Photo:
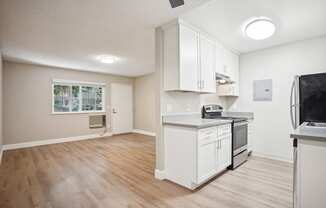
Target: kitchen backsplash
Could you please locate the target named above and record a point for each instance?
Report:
(189, 102)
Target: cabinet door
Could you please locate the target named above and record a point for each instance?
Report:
(226, 60)
(310, 182)
(224, 152)
(230, 65)
(234, 71)
(207, 65)
(219, 60)
(206, 161)
(188, 56)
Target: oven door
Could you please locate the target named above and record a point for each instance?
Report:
(240, 137)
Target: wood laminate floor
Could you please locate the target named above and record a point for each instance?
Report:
(119, 172)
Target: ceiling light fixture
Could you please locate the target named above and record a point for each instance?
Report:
(107, 59)
(259, 28)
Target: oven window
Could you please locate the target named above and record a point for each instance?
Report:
(240, 136)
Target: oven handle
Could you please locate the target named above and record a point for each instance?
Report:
(241, 123)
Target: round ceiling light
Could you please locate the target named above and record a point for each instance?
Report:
(107, 59)
(259, 28)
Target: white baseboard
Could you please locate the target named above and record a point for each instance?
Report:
(148, 133)
(273, 157)
(53, 141)
(159, 174)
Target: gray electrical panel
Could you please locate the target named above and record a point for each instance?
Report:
(263, 90)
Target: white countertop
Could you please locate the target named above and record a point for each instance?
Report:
(309, 133)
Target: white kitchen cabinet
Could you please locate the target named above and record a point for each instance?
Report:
(310, 171)
(219, 54)
(207, 153)
(194, 156)
(188, 59)
(206, 160)
(207, 64)
(188, 53)
(227, 63)
(224, 152)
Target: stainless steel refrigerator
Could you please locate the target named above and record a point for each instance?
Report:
(308, 99)
(307, 104)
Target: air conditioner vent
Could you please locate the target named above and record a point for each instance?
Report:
(97, 121)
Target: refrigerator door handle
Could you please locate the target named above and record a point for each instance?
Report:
(292, 105)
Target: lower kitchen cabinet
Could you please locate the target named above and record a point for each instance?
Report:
(310, 171)
(224, 152)
(193, 156)
(206, 161)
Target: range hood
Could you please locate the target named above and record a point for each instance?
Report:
(223, 79)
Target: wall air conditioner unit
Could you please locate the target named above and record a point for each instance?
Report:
(97, 121)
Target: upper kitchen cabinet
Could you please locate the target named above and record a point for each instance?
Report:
(207, 64)
(227, 62)
(188, 59)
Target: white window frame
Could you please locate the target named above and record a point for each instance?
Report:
(71, 83)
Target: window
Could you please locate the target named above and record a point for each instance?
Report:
(74, 97)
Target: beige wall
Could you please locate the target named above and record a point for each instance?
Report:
(27, 103)
(1, 116)
(144, 103)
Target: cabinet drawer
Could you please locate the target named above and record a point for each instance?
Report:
(212, 131)
(225, 129)
(206, 140)
(207, 135)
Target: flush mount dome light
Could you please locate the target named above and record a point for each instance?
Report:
(259, 28)
(107, 59)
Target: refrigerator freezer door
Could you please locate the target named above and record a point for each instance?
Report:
(313, 98)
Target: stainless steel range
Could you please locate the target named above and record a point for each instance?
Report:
(239, 133)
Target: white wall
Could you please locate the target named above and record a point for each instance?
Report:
(272, 119)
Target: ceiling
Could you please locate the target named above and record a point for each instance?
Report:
(295, 20)
(71, 33)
